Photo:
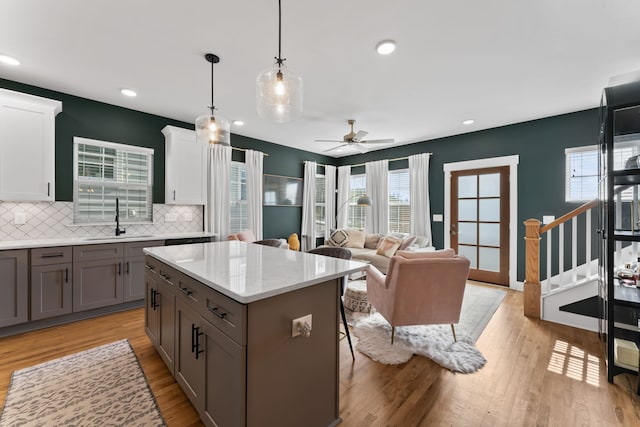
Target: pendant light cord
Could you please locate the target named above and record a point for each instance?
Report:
(212, 105)
(279, 59)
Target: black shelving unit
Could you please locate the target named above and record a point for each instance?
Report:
(619, 221)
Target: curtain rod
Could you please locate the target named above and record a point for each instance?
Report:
(247, 149)
(363, 164)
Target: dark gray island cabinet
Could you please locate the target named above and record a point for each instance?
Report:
(222, 317)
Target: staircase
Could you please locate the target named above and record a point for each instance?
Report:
(570, 296)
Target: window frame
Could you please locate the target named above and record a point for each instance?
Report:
(320, 206)
(241, 222)
(356, 215)
(404, 186)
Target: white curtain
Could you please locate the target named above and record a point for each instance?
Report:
(308, 240)
(329, 200)
(420, 211)
(218, 180)
(344, 174)
(253, 160)
(377, 216)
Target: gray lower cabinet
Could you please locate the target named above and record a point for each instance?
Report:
(14, 287)
(189, 363)
(134, 268)
(160, 316)
(51, 282)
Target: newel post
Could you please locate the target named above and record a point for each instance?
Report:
(531, 302)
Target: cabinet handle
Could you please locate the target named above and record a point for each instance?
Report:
(127, 267)
(195, 340)
(56, 255)
(48, 189)
(66, 275)
(185, 291)
(119, 269)
(148, 267)
(154, 299)
(215, 311)
(174, 195)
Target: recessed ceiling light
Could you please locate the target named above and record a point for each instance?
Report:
(468, 122)
(238, 122)
(386, 47)
(9, 60)
(128, 92)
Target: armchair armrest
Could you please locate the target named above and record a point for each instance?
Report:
(374, 274)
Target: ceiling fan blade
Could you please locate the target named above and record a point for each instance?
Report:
(327, 140)
(379, 141)
(338, 148)
(359, 148)
(358, 136)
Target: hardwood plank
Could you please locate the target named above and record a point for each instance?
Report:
(538, 373)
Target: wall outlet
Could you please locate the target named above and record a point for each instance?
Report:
(437, 217)
(188, 217)
(19, 218)
(297, 323)
(170, 217)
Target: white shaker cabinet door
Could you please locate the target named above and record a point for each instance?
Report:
(185, 167)
(27, 147)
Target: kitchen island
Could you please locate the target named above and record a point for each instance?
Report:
(250, 332)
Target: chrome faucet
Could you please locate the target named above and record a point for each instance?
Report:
(118, 230)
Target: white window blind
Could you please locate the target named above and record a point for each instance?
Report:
(399, 201)
(104, 171)
(238, 198)
(581, 183)
(320, 206)
(357, 188)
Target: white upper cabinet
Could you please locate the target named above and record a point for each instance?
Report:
(27, 146)
(185, 167)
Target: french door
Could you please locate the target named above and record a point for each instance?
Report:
(480, 221)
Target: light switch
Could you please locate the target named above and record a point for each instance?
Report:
(170, 217)
(437, 217)
(19, 218)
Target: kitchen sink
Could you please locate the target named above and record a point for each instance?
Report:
(133, 236)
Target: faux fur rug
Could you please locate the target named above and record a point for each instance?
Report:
(433, 341)
(103, 386)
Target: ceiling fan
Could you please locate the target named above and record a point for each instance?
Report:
(355, 140)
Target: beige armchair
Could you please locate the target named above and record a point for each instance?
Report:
(419, 288)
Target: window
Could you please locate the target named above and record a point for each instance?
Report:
(320, 206)
(238, 198)
(357, 188)
(399, 201)
(104, 172)
(581, 170)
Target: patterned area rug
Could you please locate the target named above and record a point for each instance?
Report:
(103, 386)
(432, 341)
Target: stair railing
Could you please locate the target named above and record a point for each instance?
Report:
(533, 231)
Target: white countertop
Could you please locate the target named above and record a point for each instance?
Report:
(73, 241)
(248, 272)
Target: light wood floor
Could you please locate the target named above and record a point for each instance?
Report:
(538, 373)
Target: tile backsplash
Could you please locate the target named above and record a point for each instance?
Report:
(49, 220)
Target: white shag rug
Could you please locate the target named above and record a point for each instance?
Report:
(432, 341)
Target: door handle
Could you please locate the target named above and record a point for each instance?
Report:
(66, 275)
(452, 232)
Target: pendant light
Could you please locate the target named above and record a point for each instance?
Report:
(278, 90)
(209, 128)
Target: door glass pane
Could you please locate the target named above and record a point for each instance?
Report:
(490, 234)
(490, 210)
(467, 210)
(469, 252)
(467, 186)
(467, 233)
(489, 259)
(490, 185)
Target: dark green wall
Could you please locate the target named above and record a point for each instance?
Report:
(96, 120)
(540, 145)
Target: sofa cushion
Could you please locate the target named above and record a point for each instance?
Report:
(422, 242)
(338, 237)
(407, 242)
(371, 241)
(388, 246)
(356, 238)
(246, 236)
(380, 262)
(442, 253)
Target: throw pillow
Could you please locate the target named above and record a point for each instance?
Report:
(356, 238)
(406, 242)
(422, 242)
(388, 246)
(371, 241)
(246, 236)
(339, 238)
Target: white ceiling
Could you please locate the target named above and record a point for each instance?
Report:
(494, 61)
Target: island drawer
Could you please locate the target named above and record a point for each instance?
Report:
(48, 256)
(226, 314)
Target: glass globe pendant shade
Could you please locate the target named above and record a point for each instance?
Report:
(279, 94)
(213, 129)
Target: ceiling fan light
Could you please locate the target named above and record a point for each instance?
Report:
(279, 95)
